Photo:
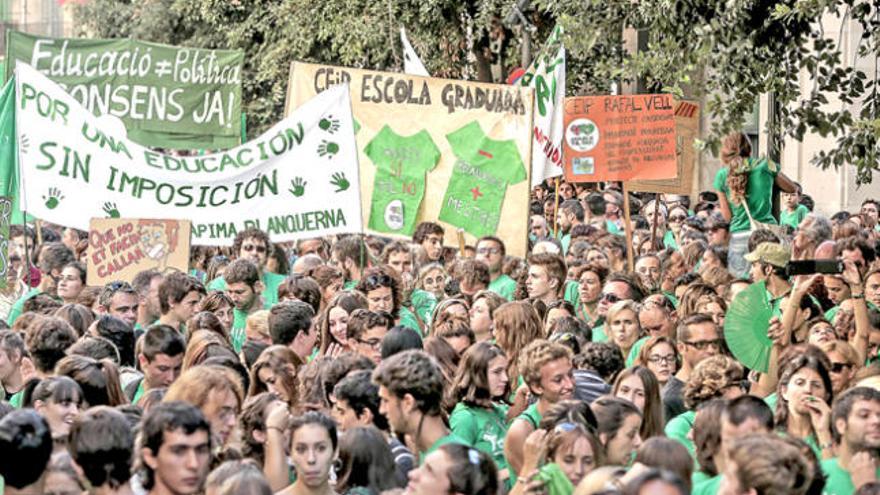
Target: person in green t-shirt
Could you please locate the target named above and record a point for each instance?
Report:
(179, 297)
(480, 416)
(53, 256)
(745, 181)
(419, 304)
(792, 211)
(491, 251)
(411, 397)
(351, 255)
(546, 368)
(455, 469)
(243, 286)
(12, 352)
(571, 214)
(765, 463)
(160, 359)
(856, 420)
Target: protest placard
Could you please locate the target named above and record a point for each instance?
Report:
(619, 138)
(687, 130)
(439, 150)
(547, 76)
(298, 180)
(168, 97)
(119, 248)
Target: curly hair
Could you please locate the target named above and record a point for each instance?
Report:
(416, 373)
(710, 378)
(735, 148)
(536, 355)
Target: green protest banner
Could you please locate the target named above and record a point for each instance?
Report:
(167, 97)
(297, 180)
(9, 152)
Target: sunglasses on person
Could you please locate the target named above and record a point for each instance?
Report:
(839, 367)
(702, 345)
(677, 218)
(610, 297)
(254, 247)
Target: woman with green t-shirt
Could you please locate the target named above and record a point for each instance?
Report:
(479, 387)
(803, 395)
(745, 189)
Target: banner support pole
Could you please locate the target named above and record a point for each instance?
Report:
(627, 229)
(556, 210)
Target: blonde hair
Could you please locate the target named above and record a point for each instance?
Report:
(258, 321)
(196, 384)
(536, 355)
(735, 148)
(845, 349)
(710, 378)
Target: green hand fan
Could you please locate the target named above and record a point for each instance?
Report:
(745, 327)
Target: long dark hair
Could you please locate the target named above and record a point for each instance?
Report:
(367, 462)
(471, 383)
(797, 364)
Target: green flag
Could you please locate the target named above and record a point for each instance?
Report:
(9, 151)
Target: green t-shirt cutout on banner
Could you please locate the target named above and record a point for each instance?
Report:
(399, 187)
(483, 169)
(759, 193)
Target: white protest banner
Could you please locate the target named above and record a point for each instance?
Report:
(412, 64)
(299, 179)
(547, 76)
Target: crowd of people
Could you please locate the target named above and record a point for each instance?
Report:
(362, 365)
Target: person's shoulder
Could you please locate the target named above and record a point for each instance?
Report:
(218, 283)
(273, 279)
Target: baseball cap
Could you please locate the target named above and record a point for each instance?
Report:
(771, 253)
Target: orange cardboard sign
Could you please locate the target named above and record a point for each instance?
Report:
(687, 130)
(627, 137)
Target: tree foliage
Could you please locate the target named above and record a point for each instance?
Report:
(728, 51)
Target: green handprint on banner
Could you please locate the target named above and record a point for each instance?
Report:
(297, 186)
(53, 198)
(329, 124)
(338, 179)
(110, 210)
(328, 149)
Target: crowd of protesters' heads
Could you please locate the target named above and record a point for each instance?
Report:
(357, 364)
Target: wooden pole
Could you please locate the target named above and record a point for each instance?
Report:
(654, 223)
(627, 229)
(556, 211)
(460, 235)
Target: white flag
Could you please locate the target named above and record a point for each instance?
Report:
(297, 180)
(547, 76)
(412, 64)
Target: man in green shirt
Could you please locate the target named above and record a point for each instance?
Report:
(571, 214)
(243, 286)
(12, 351)
(768, 266)
(146, 284)
(742, 416)
(160, 359)
(491, 251)
(54, 256)
(179, 296)
(411, 395)
(855, 421)
(420, 305)
(254, 244)
(351, 255)
(547, 370)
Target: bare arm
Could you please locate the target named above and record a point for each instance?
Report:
(725, 207)
(860, 310)
(275, 462)
(514, 443)
(784, 183)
